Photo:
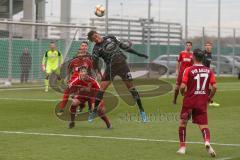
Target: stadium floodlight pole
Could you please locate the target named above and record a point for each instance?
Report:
(219, 36)
(106, 18)
(168, 45)
(10, 27)
(159, 23)
(186, 20)
(148, 36)
(121, 29)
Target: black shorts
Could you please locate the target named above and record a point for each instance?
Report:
(118, 69)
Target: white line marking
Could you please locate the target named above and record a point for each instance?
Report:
(15, 89)
(225, 158)
(30, 99)
(54, 100)
(113, 138)
(40, 87)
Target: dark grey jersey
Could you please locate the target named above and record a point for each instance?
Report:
(108, 50)
(207, 59)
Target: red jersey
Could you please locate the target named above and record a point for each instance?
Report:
(82, 89)
(80, 61)
(185, 59)
(197, 78)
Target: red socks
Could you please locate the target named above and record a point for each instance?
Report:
(182, 136)
(206, 134)
(104, 117)
(106, 120)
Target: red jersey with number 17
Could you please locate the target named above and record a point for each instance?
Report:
(185, 59)
(197, 78)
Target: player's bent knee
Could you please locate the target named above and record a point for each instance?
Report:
(202, 126)
(73, 109)
(75, 102)
(183, 122)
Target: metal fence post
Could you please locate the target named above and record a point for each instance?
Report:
(10, 42)
(168, 43)
(203, 37)
(234, 50)
(219, 37)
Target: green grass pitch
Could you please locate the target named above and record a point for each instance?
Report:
(29, 130)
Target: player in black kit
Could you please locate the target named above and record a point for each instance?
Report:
(109, 49)
(207, 62)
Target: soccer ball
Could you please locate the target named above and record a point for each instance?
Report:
(99, 10)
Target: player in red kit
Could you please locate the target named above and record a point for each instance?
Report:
(84, 89)
(82, 59)
(184, 61)
(198, 87)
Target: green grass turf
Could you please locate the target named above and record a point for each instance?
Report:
(38, 116)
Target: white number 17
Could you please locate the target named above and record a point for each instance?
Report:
(198, 78)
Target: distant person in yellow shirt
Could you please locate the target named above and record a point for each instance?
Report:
(51, 63)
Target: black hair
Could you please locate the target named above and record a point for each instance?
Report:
(90, 34)
(198, 54)
(81, 68)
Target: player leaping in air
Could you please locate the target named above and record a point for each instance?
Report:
(196, 79)
(51, 63)
(109, 49)
(84, 89)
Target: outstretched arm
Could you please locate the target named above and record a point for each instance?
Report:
(130, 50)
(127, 48)
(44, 61)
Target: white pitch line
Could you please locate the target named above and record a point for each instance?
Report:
(16, 89)
(225, 158)
(40, 87)
(54, 100)
(30, 99)
(112, 138)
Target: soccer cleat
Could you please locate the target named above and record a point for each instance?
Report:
(71, 125)
(92, 116)
(210, 150)
(214, 104)
(182, 150)
(109, 126)
(143, 116)
(60, 112)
